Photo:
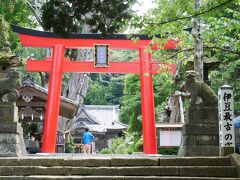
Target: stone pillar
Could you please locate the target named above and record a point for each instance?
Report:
(11, 132)
(200, 135)
(226, 122)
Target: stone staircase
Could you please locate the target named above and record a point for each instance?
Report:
(120, 167)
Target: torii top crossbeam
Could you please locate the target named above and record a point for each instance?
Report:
(57, 64)
(43, 39)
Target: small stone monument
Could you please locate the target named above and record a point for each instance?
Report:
(200, 134)
(11, 132)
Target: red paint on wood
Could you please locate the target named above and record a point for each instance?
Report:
(35, 41)
(148, 115)
(88, 67)
(53, 102)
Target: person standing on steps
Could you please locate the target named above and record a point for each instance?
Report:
(87, 140)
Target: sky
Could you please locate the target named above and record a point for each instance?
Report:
(143, 6)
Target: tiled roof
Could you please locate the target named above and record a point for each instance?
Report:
(28, 82)
(100, 118)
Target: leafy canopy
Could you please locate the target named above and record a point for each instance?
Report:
(174, 19)
(13, 12)
(102, 16)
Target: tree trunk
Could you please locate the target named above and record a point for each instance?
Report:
(198, 60)
(35, 7)
(77, 87)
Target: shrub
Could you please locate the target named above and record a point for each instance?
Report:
(168, 151)
(121, 149)
(139, 145)
(106, 151)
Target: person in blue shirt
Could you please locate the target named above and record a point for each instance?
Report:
(87, 140)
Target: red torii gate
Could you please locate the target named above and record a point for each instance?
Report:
(58, 64)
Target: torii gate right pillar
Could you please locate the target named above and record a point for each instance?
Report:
(148, 115)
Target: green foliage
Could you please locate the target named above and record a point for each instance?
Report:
(123, 55)
(223, 29)
(4, 30)
(115, 90)
(102, 16)
(129, 143)
(163, 86)
(121, 149)
(115, 142)
(131, 101)
(228, 73)
(138, 146)
(96, 94)
(105, 89)
(106, 151)
(16, 12)
(173, 19)
(13, 12)
(135, 122)
(28, 128)
(168, 151)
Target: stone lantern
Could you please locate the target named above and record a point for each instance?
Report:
(208, 66)
(7, 60)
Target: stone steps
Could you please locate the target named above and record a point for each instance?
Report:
(112, 161)
(119, 167)
(203, 171)
(112, 178)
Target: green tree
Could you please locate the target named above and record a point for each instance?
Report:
(228, 73)
(96, 94)
(173, 19)
(131, 101)
(16, 12)
(220, 32)
(13, 12)
(105, 89)
(101, 16)
(69, 16)
(115, 89)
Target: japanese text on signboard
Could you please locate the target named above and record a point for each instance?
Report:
(226, 116)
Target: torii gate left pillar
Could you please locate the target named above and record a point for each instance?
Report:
(58, 64)
(53, 103)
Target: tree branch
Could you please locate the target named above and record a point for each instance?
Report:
(183, 50)
(192, 16)
(34, 8)
(222, 49)
(205, 47)
(103, 81)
